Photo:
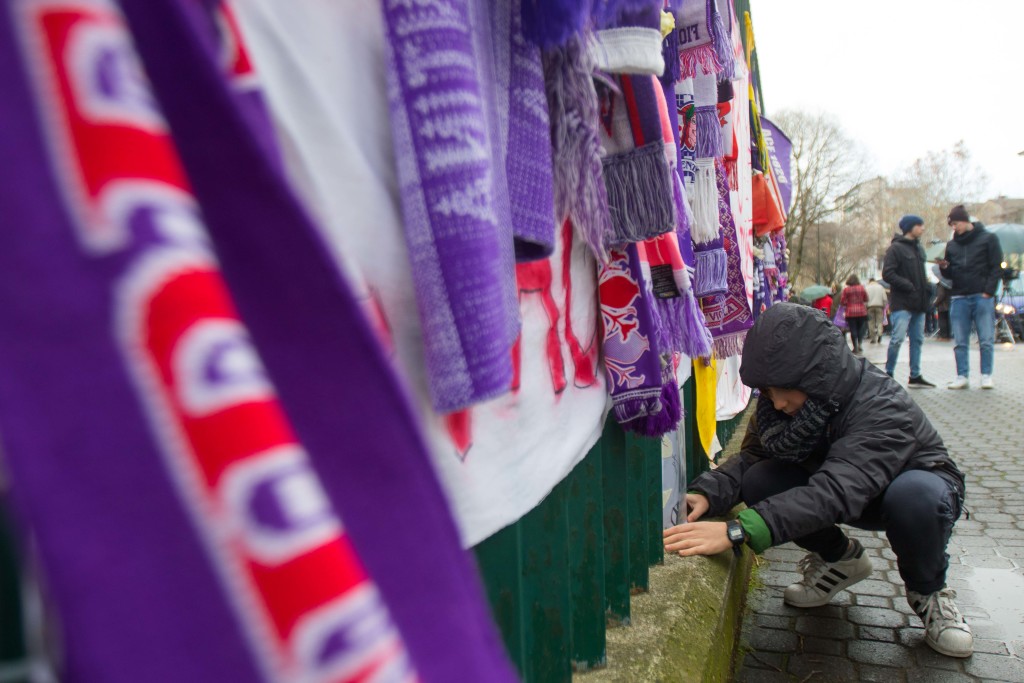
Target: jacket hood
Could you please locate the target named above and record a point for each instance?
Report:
(904, 238)
(797, 347)
(970, 235)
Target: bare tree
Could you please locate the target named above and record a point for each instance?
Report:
(939, 180)
(827, 165)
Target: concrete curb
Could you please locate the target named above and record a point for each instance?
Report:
(686, 628)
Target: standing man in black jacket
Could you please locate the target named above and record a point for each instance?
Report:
(833, 441)
(973, 262)
(903, 269)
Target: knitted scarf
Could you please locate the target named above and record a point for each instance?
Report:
(728, 315)
(793, 439)
(450, 101)
(637, 380)
(637, 176)
(227, 444)
(702, 38)
(576, 150)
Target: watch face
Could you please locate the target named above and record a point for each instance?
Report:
(735, 533)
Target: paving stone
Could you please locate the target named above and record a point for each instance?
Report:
(882, 654)
(874, 587)
(936, 676)
(992, 647)
(822, 646)
(879, 633)
(873, 601)
(765, 660)
(773, 621)
(762, 676)
(995, 667)
(815, 667)
(773, 640)
(880, 674)
(873, 616)
(822, 627)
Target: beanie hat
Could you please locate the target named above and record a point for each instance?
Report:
(959, 213)
(908, 222)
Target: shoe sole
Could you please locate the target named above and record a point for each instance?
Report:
(948, 653)
(841, 586)
(956, 388)
(987, 388)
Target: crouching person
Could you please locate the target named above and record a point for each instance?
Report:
(834, 441)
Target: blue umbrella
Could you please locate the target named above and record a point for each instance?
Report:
(814, 292)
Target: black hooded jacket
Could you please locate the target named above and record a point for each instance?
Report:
(878, 432)
(975, 259)
(903, 269)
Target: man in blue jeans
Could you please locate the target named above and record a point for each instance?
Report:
(903, 269)
(973, 262)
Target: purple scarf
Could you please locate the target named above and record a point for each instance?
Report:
(728, 314)
(644, 398)
(459, 100)
(148, 450)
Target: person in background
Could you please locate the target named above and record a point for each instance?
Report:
(973, 264)
(854, 299)
(824, 304)
(877, 299)
(903, 269)
(930, 320)
(942, 305)
(833, 440)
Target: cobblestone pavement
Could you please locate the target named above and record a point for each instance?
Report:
(869, 633)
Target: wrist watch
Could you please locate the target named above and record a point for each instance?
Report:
(736, 534)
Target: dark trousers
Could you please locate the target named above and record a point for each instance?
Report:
(858, 326)
(945, 331)
(917, 512)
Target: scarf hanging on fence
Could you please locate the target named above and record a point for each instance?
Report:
(728, 314)
(705, 380)
(444, 113)
(637, 176)
(708, 134)
(702, 38)
(630, 349)
(186, 419)
(631, 43)
(579, 189)
(778, 240)
(553, 23)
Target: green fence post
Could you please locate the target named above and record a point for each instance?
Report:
(12, 640)
(652, 468)
(616, 520)
(546, 613)
(501, 570)
(636, 483)
(585, 505)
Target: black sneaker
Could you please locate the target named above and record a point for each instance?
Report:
(920, 382)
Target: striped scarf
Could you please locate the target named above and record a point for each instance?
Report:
(793, 439)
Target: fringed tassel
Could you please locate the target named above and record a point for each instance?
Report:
(663, 421)
(705, 203)
(696, 336)
(638, 184)
(576, 149)
(670, 52)
(696, 60)
(723, 45)
(709, 133)
(712, 276)
(634, 406)
(670, 332)
(729, 345)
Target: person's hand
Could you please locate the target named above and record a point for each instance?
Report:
(696, 506)
(942, 263)
(986, 296)
(697, 538)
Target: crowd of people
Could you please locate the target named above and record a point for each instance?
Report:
(960, 299)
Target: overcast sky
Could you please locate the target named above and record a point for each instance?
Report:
(904, 77)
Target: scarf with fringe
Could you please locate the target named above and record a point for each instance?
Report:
(728, 314)
(793, 439)
(641, 382)
(637, 176)
(704, 44)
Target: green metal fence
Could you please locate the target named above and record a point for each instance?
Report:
(565, 572)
